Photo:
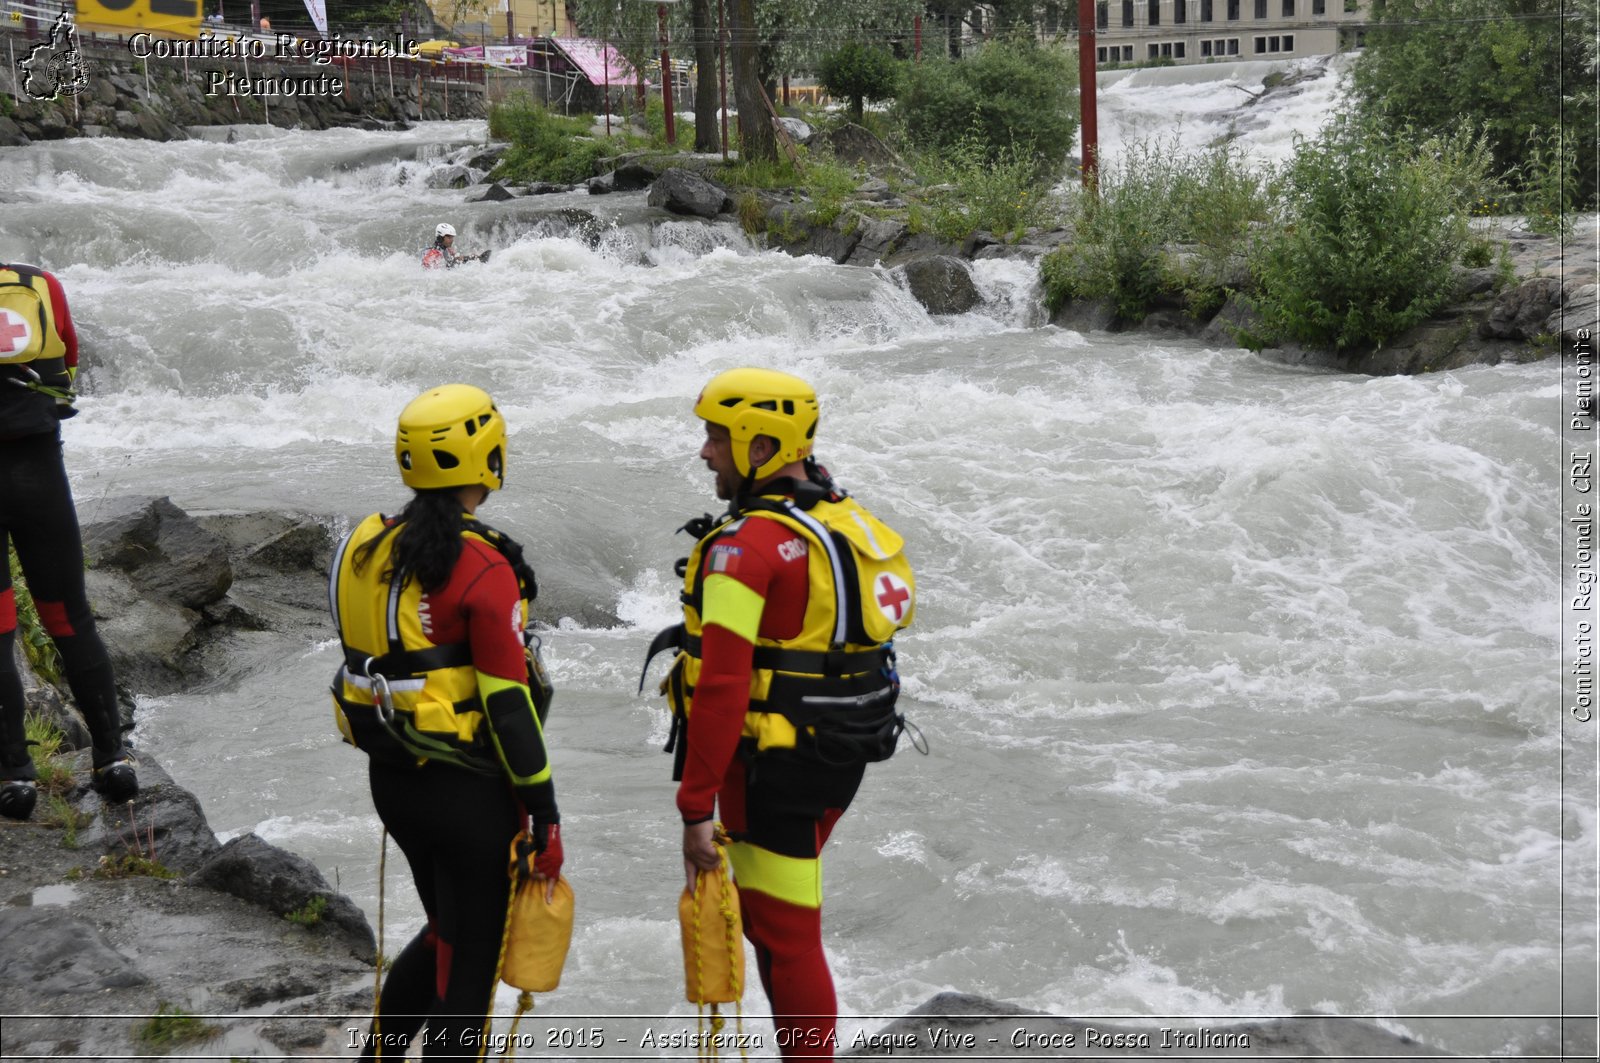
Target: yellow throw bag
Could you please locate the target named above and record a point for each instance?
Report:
(713, 942)
(538, 933)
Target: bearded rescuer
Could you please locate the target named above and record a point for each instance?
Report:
(38, 365)
(437, 688)
(784, 686)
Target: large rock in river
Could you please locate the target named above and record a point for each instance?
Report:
(683, 192)
(941, 284)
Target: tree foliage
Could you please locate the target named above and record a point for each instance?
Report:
(1012, 95)
(859, 72)
(1370, 225)
(1508, 67)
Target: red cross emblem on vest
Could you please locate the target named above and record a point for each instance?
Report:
(15, 335)
(893, 596)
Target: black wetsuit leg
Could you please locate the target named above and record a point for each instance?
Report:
(455, 828)
(38, 517)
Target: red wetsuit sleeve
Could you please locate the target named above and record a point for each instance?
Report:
(750, 555)
(63, 316)
(487, 612)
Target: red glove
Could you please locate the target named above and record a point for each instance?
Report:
(547, 840)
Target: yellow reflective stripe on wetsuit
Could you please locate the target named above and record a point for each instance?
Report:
(797, 880)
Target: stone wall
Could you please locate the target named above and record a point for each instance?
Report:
(157, 98)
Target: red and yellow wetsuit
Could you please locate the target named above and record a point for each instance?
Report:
(774, 687)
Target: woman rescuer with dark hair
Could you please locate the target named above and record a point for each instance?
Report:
(439, 689)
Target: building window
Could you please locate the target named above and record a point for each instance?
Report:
(1100, 55)
(1102, 14)
(1205, 10)
(1155, 12)
(1233, 46)
(1180, 12)
(1350, 6)
(1177, 50)
(1288, 8)
(1261, 8)
(1153, 51)
(1261, 46)
(1288, 42)
(1205, 49)
(1319, 7)
(1272, 44)
(1127, 13)
(1233, 10)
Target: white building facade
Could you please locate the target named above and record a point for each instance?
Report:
(1129, 32)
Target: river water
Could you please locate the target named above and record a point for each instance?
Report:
(1240, 680)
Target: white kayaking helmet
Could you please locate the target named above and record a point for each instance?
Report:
(445, 229)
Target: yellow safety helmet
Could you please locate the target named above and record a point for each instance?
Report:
(451, 436)
(761, 402)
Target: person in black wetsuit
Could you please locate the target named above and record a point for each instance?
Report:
(38, 364)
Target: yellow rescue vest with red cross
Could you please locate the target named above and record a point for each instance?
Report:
(831, 688)
(28, 322)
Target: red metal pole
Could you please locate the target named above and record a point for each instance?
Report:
(666, 77)
(1086, 93)
(722, 62)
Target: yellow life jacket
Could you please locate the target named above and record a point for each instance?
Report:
(398, 696)
(835, 683)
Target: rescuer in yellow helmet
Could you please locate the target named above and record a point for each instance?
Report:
(436, 687)
(784, 686)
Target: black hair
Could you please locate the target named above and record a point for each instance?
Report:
(429, 543)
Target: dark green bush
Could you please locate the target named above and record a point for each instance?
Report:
(1369, 229)
(859, 72)
(1011, 96)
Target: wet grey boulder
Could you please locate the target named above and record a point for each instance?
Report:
(58, 954)
(165, 822)
(851, 143)
(682, 192)
(1580, 310)
(829, 241)
(799, 130)
(1521, 313)
(164, 551)
(284, 883)
(494, 193)
(941, 284)
(488, 158)
(449, 177)
(875, 236)
(1235, 321)
(633, 176)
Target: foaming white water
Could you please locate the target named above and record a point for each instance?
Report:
(1200, 106)
(1237, 678)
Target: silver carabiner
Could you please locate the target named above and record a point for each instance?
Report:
(383, 697)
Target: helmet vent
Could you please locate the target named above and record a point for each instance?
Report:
(405, 460)
(471, 427)
(788, 406)
(731, 402)
(445, 460)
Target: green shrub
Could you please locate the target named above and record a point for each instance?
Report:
(310, 913)
(1370, 227)
(171, 1025)
(544, 146)
(1154, 198)
(1012, 96)
(859, 72)
(965, 189)
(1549, 177)
(37, 645)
